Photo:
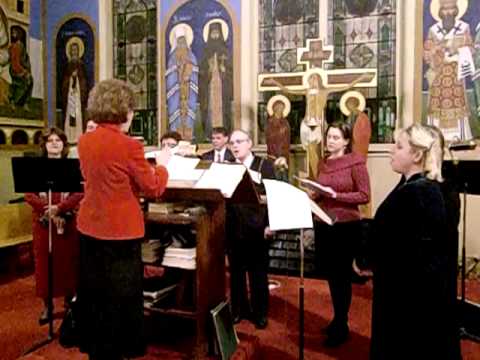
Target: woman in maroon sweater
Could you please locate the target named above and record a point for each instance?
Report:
(345, 178)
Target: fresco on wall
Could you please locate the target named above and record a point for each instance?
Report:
(452, 67)
(21, 88)
(75, 74)
(199, 69)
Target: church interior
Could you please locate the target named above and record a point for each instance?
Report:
(275, 74)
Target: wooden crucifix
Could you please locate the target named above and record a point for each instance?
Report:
(316, 83)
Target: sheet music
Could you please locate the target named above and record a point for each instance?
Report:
(182, 168)
(288, 207)
(224, 177)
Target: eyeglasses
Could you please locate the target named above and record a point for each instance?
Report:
(239, 141)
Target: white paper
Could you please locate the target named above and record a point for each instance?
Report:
(182, 168)
(151, 154)
(322, 215)
(224, 177)
(256, 176)
(466, 65)
(288, 207)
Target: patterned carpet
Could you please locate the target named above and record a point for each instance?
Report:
(19, 311)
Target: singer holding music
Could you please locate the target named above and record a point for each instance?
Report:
(344, 177)
(111, 225)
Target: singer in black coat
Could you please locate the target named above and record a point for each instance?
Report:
(248, 252)
(411, 275)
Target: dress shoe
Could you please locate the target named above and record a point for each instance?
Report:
(261, 322)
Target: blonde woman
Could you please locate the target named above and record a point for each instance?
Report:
(411, 257)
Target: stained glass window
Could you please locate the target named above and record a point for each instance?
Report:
(284, 26)
(363, 33)
(135, 60)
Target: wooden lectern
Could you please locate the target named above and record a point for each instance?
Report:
(209, 275)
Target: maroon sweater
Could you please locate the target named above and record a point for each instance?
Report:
(348, 176)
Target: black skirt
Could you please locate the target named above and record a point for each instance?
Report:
(110, 298)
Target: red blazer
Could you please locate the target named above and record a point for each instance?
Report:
(115, 170)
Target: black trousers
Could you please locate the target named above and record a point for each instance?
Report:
(248, 255)
(110, 298)
(334, 249)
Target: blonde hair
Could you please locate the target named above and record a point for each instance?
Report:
(429, 141)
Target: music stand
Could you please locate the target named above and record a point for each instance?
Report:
(50, 175)
(465, 175)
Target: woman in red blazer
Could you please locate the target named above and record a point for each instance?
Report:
(111, 225)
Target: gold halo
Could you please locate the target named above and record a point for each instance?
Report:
(224, 29)
(79, 42)
(281, 98)
(352, 94)
(435, 7)
(188, 35)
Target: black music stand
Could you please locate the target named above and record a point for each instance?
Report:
(41, 174)
(465, 176)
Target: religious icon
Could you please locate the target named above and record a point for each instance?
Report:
(216, 77)
(448, 53)
(352, 105)
(278, 134)
(182, 82)
(4, 58)
(74, 89)
(20, 70)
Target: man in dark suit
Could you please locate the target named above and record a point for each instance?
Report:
(220, 151)
(248, 248)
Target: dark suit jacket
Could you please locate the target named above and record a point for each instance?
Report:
(246, 222)
(210, 154)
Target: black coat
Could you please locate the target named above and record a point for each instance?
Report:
(209, 155)
(246, 222)
(411, 287)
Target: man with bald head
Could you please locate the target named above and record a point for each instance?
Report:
(248, 248)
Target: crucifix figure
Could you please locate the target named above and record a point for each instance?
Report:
(316, 84)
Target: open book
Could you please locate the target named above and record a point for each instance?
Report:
(313, 185)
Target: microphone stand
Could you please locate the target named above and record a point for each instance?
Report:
(301, 297)
(50, 336)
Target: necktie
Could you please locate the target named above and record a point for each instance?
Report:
(219, 158)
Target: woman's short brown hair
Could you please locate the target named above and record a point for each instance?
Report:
(110, 101)
(49, 132)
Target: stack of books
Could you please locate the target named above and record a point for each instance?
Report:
(152, 251)
(184, 258)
